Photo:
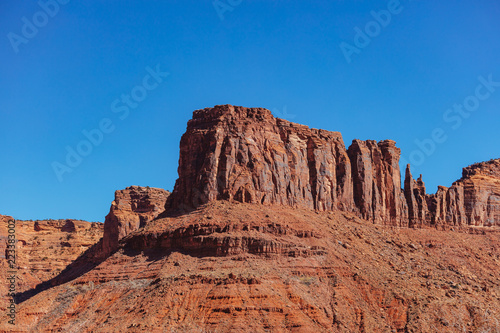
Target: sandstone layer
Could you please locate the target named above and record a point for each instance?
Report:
(247, 155)
(238, 267)
(276, 227)
(132, 208)
(474, 199)
(43, 249)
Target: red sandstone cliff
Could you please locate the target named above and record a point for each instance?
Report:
(474, 199)
(247, 155)
(244, 261)
(132, 208)
(377, 182)
(416, 199)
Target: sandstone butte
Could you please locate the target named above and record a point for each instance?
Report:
(276, 227)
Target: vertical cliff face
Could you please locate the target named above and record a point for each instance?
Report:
(377, 181)
(417, 200)
(247, 155)
(481, 187)
(472, 200)
(132, 208)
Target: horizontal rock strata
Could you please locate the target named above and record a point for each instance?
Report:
(43, 249)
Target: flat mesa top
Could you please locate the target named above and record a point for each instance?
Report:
(204, 118)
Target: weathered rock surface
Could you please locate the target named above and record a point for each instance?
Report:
(132, 208)
(247, 155)
(238, 267)
(377, 182)
(417, 201)
(474, 199)
(43, 249)
(245, 261)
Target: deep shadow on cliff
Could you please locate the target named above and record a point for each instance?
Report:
(274, 226)
(239, 267)
(131, 209)
(84, 263)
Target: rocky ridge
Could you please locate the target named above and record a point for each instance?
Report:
(246, 155)
(131, 209)
(474, 199)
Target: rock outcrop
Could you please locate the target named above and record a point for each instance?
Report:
(247, 155)
(481, 186)
(43, 249)
(377, 182)
(473, 200)
(245, 261)
(132, 208)
(417, 200)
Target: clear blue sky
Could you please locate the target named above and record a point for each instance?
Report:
(70, 73)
